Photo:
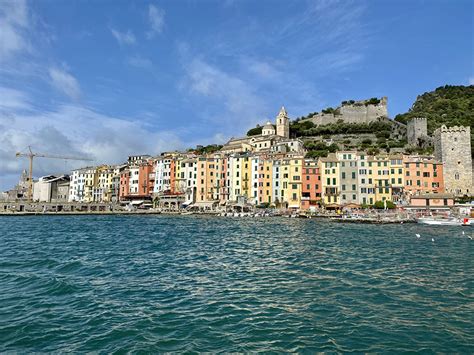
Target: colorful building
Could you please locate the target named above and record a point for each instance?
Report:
(423, 175)
(311, 184)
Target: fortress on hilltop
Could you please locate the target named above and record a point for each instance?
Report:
(363, 111)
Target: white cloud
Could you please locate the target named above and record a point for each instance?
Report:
(471, 80)
(156, 16)
(12, 100)
(140, 62)
(242, 106)
(13, 25)
(123, 37)
(73, 130)
(65, 82)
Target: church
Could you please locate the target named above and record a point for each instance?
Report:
(273, 139)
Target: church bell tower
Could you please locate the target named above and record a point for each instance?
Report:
(283, 124)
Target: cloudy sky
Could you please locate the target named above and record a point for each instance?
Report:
(105, 79)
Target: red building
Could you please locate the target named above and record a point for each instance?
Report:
(137, 181)
(311, 184)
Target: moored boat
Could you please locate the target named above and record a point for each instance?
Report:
(449, 221)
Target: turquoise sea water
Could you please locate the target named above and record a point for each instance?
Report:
(158, 283)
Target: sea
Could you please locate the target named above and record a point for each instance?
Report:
(160, 283)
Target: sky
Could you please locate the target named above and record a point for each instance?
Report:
(105, 79)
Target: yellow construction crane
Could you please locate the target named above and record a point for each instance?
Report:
(32, 155)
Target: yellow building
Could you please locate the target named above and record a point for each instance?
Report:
(330, 181)
(379, 174)
(397, 176)
(90, 182)
(103, 190)
(246, 174)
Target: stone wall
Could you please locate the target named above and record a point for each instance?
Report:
(417, 128)
(357, 112)
(453, 148)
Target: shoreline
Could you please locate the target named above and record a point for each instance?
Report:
(141, 213)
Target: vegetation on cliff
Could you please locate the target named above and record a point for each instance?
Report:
(448, 105)
(319, 149)
(307, 128)
(207, 149)
(256, 131)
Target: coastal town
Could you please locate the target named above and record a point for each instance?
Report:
(270, 170)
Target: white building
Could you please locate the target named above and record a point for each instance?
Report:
(76, 187)
(162, 175)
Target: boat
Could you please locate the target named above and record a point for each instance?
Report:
(468, 222)
(449, 221)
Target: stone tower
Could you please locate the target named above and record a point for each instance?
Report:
(416, 128)
(453, 148)
(283, 124)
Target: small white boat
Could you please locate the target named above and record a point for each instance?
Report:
(468, 222)
(450, 221)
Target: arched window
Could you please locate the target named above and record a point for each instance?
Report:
(456, 176)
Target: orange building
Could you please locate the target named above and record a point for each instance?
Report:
(311, 184)
(146, 178)
(423, 175)
(137, 182)
(124, 189)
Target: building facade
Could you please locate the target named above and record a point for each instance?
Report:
(452, 146)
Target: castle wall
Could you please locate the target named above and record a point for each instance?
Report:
(453, 147)
(358, 112)
(416, 128)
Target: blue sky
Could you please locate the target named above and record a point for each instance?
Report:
(106, 79)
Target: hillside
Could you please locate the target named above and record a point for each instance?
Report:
(449, 105)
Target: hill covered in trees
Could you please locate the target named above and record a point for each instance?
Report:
(448, 105)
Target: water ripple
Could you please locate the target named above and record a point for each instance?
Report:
(188, 284)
